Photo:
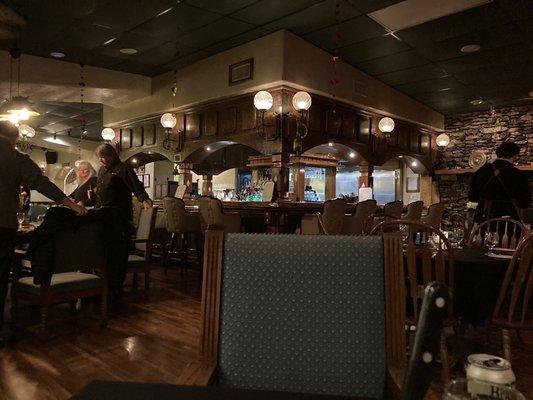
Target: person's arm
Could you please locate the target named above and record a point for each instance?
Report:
(34, 179)
(473, 190)
(135, 186)
(523, 192)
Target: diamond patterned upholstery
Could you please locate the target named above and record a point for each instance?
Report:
(303, 314)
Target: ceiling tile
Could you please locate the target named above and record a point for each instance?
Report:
(54, 8)
(265, 11)
(187, 60)
(128, 40)
(432, 85)
(517, 9)
(367, 6)
(221, 6)
(315, 17)
(126, 14)
(351, 31)
(493, 75)
(421, 73)
(372, 48)
(395, 62)
(219, 30)
(84, 35)
(164, 54)
(172, 25)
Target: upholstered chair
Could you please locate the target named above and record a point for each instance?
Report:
(354, 224)
(329, 222)
(414, 211)
(393, 209)
(212, 215)
(434, 215)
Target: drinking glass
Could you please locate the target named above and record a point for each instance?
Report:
(20, 217)
(491, 240)
(458, 390)
(40, 219)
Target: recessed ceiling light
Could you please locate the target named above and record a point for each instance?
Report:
(352, 154)
(208, 148)
(414, 164)
(445, 89)
(134, 161)
(128, 50)
(165, 11)
(57, 54)
(109, 41)
(470, 48)
(330, 144)
(476, 102)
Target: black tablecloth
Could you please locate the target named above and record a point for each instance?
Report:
(158, 391)
(478, 278)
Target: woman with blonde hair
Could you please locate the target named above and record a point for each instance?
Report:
(87, 179)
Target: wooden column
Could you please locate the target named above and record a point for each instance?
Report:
(428, 190)
(298, 176)
(207, 185)
(331, 180)
(185, 175)
(366, 179)
(255, 177)
(280, 173)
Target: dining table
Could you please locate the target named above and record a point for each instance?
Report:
(106, 390)
(478, 278)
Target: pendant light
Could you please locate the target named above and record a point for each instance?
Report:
(17, 108)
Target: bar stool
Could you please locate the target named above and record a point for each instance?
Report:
(181, 225)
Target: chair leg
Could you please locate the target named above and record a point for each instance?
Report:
(169, 248)
(506, 341)
(103, 310)
(444, 359)
(134, 283)
(146, 282)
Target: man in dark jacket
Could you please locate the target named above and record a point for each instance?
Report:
(500, 189)
(17, 169)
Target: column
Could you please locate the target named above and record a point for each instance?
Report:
(331, 180)
(280, 173)
(207, 185)
(185, 175)
(255, 177)
(298, 176)
(366, 179)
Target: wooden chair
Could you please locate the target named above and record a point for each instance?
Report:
(79, 272)
(354, 224)
(329, 222)
(137, 207)
(181, 225)
(262, 331)
(426, 261)
(508, 233)
(376, 219)
(514, 310)
(212, 215)
(414, 211)
(394, 209)
(434, 215)
(139, 261)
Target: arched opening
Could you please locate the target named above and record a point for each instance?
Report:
(154, 170)
(219, 168)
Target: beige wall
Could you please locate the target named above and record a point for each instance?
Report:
(309, 67)
(45, 79)
(207, 80)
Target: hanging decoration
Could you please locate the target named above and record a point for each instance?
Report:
(83, 129)
(169, 121)
(26, 132)
(335, 57)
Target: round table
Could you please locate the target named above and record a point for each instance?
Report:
(478, 278)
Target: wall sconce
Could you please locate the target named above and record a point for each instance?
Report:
(168, 121)
(386, 126)
(301, 101)
(108, 134)
(443, 140)
(263, 102)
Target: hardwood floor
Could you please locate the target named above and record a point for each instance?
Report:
(152, 341)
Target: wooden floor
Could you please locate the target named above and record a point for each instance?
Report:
(152, 342)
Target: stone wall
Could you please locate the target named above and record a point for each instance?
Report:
(481, 131)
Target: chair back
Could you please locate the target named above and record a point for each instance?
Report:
(428, 255)
(137, 206)
(506, 233)
(394, 209)
(211, 214)
(514, 306)
(434, 216)
(175, 214)
(332, 219)
(414, 211)
(460, 226)
(301, 313)
(145, 231)
(354, 224)
(268, 191)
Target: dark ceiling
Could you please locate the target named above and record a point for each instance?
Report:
(424, 61)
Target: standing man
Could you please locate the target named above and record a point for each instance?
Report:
(17, 169)
(116, 184)
(499, 188)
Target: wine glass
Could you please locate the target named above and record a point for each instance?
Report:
(491, 240)
(39, 219)
(473, 390)
(21, 217)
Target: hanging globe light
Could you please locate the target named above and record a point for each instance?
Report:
(108, 134)
(301, 101)
(263, 100)
(168, 121)
(386, 125)
(443, 140)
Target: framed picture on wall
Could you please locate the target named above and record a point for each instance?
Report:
(145, 179)
(241, 71)
(412, 184)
